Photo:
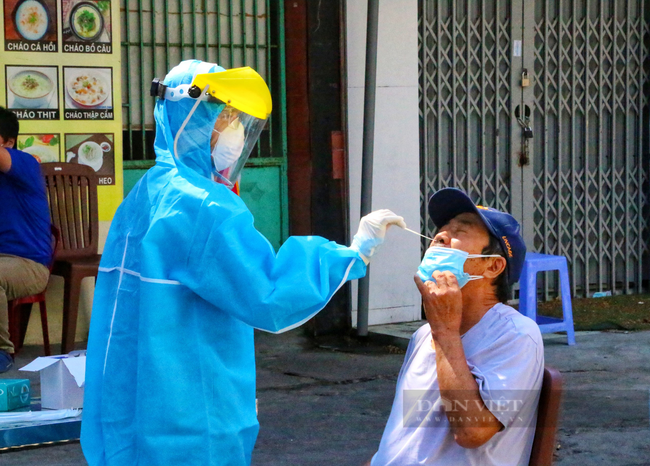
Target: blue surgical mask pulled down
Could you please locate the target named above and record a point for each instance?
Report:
(448, 260)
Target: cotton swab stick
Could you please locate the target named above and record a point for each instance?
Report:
(416, 233)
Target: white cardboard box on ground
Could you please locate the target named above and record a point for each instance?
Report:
(62, 380)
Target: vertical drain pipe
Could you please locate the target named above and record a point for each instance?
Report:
(368, 147)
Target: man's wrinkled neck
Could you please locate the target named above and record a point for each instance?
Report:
(478, 299)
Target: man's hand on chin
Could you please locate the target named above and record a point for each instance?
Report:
(443, 303)
(443, 306)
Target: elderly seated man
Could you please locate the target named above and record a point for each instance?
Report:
(469, 386)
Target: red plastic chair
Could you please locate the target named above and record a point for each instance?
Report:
(20, 310)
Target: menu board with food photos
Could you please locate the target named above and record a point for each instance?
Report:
(30, 25)
(43, 147)
(86, 26)
(64, 93)
(88, 93)
(32, 92)
(96, 151)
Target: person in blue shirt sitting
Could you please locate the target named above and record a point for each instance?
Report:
(25, 235)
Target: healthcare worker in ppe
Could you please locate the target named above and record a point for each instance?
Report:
(185, 278)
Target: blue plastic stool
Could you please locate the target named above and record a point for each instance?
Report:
(528, 293)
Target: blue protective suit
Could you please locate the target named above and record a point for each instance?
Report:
(184, 279)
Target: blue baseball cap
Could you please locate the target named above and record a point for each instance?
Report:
(450, 202)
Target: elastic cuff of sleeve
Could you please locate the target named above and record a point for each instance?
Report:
(364, 258)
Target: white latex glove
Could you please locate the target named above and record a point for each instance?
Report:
(372, 230)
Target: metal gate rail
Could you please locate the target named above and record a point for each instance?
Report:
(589, 170)
(585, 193)
(465, 100)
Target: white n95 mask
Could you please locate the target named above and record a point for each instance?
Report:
(229, 146)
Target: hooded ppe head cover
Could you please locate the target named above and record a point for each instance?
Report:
(183, 280)
(193, 142)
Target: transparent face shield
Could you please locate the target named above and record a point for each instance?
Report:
(234, 136)
(235, 106)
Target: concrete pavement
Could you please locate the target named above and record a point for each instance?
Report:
(328, 405)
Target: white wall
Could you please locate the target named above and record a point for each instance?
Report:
(396, 180)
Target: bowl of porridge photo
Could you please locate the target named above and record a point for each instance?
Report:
(87, 89)
(86, 21)
(91, 154)
(31, 89)
(31, 19)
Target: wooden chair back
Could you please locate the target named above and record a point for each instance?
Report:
(56, 240)
(72, 197)
(547, 418)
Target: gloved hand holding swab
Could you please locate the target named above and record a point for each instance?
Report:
(372, 230)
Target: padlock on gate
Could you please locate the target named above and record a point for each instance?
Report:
(528, 132)
(525, 80)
